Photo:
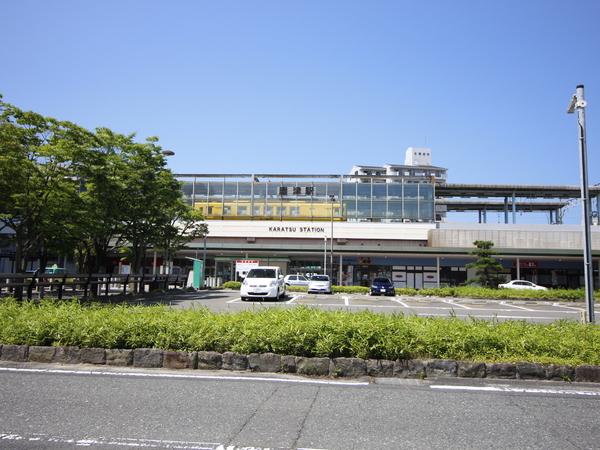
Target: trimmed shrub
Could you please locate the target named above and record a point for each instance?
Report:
(297, 331)
(236, 285)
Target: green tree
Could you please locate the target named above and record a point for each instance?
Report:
(66, 190)
(487, 268)
(152, 191)
(102, 176)
(39, 189)
(181, 224)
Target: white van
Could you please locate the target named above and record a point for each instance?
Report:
(263, 282)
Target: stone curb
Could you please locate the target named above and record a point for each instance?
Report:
(315, 366)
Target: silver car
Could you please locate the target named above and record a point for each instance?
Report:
(295, 280)
(522, 284)
(319, 284)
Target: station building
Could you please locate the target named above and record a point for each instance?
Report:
(388, 220)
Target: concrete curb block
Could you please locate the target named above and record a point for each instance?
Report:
(41, 354)
(322, 367)
(147, 357)
(17, 353)
(119, 357)
(92, 356)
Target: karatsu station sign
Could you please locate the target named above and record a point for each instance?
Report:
(314, 230)
(294, 230)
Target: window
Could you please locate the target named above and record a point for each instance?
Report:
(261, 273)
(320, 278)
(242, 210)
(295, 211)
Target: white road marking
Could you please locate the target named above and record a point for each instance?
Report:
(346, 300)
(182, 376)
(517, 390)
(486, 316)
(451, 302)
(400, 302)
(124, 442)
(295, 297)
(235, 300)
(516, 306)
(558, 305)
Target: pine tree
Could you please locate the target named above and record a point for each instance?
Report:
(487, 268)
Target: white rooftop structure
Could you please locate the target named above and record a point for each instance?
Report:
(417, 167)
(417, 156)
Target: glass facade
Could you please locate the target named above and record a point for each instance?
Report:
(311, 200)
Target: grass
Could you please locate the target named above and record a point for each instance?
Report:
(569, 295)
(298, 331)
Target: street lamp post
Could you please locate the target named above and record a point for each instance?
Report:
(204, 264)
(578, 103)
(325, 255)
(166, 263)
(332, 198)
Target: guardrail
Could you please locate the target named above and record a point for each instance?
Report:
(22, 285)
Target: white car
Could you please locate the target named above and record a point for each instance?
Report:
(522, 284)
(319, 283)
(295, 280)
(263, 282)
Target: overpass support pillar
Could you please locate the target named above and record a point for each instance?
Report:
(514, 209)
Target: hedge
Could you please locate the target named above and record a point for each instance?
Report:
(299, 331)
(458, 291)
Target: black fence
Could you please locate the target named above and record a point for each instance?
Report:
(26, 285)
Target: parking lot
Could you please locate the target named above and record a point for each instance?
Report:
(536, 311)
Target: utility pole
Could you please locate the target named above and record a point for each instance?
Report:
(332, 198)
(325, 255)
(578, 103)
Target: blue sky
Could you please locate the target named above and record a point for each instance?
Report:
(316, 86)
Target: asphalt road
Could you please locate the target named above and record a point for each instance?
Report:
(111, 409)
(535, 311)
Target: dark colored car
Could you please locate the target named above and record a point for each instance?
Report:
(382, 286)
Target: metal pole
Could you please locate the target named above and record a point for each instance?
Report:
(578, 103)
(514, 209)
(204, 264)
(325, 255)
(332, 197)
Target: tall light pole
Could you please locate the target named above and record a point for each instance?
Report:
(578, 103)
(332, 198)
(204, 264)
(166, 263)
(325, 255)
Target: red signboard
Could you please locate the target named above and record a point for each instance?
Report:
(528, 264)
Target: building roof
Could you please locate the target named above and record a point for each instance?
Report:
(508, 190)
(490, 205)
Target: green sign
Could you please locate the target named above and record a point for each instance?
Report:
(198, 281)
